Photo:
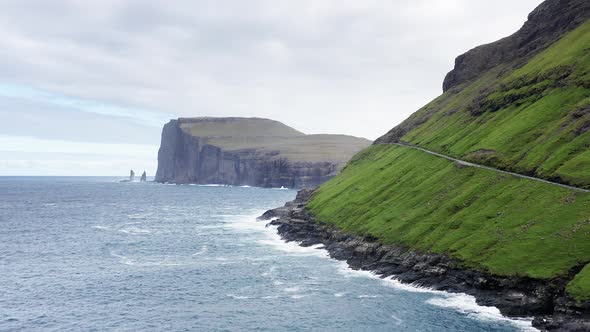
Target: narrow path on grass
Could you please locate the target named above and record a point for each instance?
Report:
(466, 163)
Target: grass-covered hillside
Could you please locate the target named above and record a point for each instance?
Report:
(533, 120)
(531, 116)
(491, 221)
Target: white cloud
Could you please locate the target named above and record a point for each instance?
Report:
(336, 66)
(32, 156)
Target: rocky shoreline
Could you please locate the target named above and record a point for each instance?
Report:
(545, 300)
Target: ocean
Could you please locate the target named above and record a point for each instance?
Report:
(93, 254)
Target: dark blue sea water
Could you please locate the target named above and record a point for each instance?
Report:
(93, 254)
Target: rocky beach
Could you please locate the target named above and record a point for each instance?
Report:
(515, 296)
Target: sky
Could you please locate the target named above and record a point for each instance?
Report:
(86, 86)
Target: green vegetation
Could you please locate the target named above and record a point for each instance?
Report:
(532, 120)
(488, 220)
(579, 288)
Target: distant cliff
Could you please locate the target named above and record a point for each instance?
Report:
(250, 151)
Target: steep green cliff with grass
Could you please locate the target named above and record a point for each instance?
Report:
(521, 104)
(532, 120)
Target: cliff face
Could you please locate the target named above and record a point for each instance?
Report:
(253, 155)
(547, 23)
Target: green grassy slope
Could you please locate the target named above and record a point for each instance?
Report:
(490, 221)
(532, 120)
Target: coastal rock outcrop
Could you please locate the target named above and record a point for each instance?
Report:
(515, 296)
(250, 151)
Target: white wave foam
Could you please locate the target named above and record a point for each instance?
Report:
(130, 262)
(135, 231)
(462, 303)
(238, 297)
(271, 297)
(396, 320)
(204, 249)
(456, 301)
(298, 296)
(340, 294)
(272, 238)
(104, 228)
(467, 305)
(395, 283)
(139, 215)
(364, 296)
(347, 272)
(293, 289)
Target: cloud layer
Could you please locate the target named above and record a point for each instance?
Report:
(335, 66)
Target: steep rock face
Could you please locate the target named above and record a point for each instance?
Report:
(549, 21)
(186, 158)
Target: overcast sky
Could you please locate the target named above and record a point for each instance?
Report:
(85, 86)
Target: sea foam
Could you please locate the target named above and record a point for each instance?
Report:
(463, 303)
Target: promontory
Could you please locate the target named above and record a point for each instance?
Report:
(250, 151)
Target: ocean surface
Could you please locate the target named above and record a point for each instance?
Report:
(93, 254)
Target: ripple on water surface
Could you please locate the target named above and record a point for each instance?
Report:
(103, 255)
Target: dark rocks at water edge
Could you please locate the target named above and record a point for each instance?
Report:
(250, 151)
(545, 300)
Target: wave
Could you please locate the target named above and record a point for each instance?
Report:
(368, 296)
(397, 320)
(293, 289)
(460, 302)
(204, 249)
(104, 228)
(135, 231)
(131, 262)
(143, 215)
(238, 297)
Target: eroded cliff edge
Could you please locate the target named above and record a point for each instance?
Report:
(250, 151)
(516, 296)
